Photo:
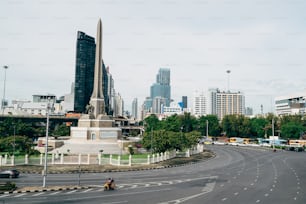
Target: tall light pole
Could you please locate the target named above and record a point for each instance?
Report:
(46, 146)
(273, 133)
(207, 129)
(14, 144)
(228, 79)
(182, 137)
(3, 99)
(151, 140)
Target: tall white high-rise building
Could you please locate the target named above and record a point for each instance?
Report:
(119, 105)
(228, 103)
(135, 108)
(199, 104)
(212, 101)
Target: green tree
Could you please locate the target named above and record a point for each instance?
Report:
(258, 127)
(152, 123)
(171, 123)
(236, 125)
(188, 122)
(292, 130)
(214, 128)
(61, 130)
(16, 145)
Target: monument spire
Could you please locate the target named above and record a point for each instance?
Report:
(97, 98)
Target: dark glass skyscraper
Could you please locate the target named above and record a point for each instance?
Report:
(84, 71)
(184, 100)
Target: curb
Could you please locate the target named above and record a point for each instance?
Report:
(46, 189)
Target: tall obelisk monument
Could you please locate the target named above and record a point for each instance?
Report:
(96, 125)
(97, 99)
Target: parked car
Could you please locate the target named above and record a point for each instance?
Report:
(12, 173)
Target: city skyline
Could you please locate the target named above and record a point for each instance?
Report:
(262, 43)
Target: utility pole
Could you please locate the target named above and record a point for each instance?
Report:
(273, 134)
(3, 99)
(46, 146)
(207, 129)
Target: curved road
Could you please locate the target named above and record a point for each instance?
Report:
(236, 175)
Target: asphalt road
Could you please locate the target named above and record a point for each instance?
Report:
(236, 175)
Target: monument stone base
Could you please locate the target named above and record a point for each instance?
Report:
(96, 133)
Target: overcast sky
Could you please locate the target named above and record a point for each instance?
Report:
(262, 42)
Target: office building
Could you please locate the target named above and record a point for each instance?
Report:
(199, 104)
(84, 71)
(184, 100)
(160, 92)
(291, 104)
(223, 103)
(135, 108)
(119, 105)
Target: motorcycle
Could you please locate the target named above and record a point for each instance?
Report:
(109, 185)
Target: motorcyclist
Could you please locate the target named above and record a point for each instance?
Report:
(109, 184)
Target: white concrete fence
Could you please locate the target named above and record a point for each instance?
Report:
(97, 159)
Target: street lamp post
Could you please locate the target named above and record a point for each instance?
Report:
(151, 140)
(3, 99)
(182, 136)
(273, 134)
(207, 129)
(46, 146)
(14, 144)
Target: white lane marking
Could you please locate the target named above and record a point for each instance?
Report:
(257, 201)
(208, 188)
(38, 194)
(90, 189)
(267, 194)
(2, 196)
(71, 192)
(224, 199)
(236, 193)
(252, 184)
(271, 189)
(245, 188)
(134, 186)
(22, 194)
(55, 193)
(221, 185)
(294, 198)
